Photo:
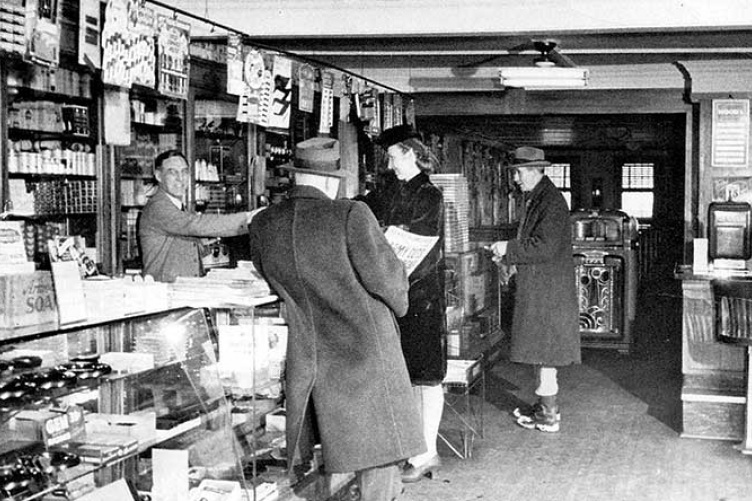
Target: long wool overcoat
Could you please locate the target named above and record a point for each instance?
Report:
(545, 326)
(342, 286)
(417, 206)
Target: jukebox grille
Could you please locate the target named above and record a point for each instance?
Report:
(599, 282)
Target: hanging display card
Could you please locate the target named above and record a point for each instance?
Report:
(410, 113)
(345, 98)
(69, 291)
(279, 117)
(88, 34)
(730, 136)
(306, 87)
(388, 111)
(12, 249)
(397, 103)
(326, 118)
(235, 82)
(254, 104)
(143, 53)
(117, 118)
(173, 57)
(43, 31)
(116, 43)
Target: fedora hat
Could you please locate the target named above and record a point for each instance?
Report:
(527, 156)
(317, 155)
(396, 135)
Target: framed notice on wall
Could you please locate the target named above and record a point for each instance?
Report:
(730, 136)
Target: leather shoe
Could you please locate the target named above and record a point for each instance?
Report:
(416, 473)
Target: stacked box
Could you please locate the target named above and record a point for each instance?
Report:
(27, 303)
(466, 281)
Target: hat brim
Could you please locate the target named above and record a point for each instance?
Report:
(534, 163)
(330, 173)
(396, 135)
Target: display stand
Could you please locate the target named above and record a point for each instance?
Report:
(464, 412)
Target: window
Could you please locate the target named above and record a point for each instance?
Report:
(637, 189)
(558, 173)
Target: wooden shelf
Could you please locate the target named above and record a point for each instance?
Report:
(65, 136)
(24, 93)
(46, 176)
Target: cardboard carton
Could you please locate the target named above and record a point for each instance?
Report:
(27, 304)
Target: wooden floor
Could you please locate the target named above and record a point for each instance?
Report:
(619, 439)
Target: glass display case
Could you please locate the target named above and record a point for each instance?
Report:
(137, 400)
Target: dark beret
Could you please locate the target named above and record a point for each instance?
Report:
(396, 135)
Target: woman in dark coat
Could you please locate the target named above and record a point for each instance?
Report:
(545, 329)
(414, 204)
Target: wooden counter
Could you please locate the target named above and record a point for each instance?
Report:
(714, 377)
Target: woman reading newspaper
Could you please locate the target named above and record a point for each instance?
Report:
(413, 204)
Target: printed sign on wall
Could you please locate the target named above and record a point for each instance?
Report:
(730, 136)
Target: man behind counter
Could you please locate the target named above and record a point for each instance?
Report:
(170, 235)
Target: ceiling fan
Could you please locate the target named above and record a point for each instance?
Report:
(547, 48)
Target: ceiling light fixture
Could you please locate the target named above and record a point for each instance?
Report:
(544, 77)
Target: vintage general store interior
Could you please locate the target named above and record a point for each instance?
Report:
(649, 66)
(655, 67)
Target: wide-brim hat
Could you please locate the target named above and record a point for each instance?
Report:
(396, 135)
(527, 156)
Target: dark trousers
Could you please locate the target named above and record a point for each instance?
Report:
(383, 483)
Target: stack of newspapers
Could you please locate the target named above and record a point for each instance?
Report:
(222, 287)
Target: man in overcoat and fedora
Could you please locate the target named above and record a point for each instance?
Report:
(545, 329)
(347, 384)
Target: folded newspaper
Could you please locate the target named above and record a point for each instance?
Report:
(409, 247)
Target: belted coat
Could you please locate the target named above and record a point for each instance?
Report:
(417, 206)
(545, 325)
(342, 287)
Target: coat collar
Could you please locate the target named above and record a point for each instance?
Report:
(416, 182)
(303, 191)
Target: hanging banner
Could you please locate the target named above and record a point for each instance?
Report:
(345, 100)
(90, 23)
(43, 32)
(388, 111)
(306, 87)
(143, 54)
(326, 117)
(116, 44)
(410, 113)
(397, 102)
(235, 82)
(279, 118)
(173, 57)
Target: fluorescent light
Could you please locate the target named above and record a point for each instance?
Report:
(544, 77)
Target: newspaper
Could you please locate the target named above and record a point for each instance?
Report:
(409, 247)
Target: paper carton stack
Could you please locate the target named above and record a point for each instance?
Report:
(456, 210)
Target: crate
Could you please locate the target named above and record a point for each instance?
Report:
(27, 304)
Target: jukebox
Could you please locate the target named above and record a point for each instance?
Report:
(606, 270)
